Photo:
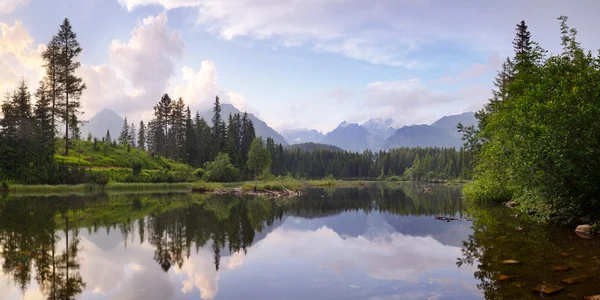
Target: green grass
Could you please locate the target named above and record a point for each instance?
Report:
(108, 156)
(274, 185)
(53, 189)
(206, 186)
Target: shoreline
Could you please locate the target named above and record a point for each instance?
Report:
(239, 188)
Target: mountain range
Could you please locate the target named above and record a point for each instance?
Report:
(375, 134)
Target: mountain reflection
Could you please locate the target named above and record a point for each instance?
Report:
(61, 247)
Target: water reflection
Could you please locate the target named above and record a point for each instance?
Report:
(351, 243)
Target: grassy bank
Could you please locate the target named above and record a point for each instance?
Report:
(199, 186)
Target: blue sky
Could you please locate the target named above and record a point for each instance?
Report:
(296, 64)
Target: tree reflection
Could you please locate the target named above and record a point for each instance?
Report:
(40, 238)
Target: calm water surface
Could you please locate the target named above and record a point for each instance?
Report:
(345, 243)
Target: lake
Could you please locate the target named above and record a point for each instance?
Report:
(377, 242)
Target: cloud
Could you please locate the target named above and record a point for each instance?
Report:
(476, 70)
(8, 6)
(19, 57)
(147, 60)
(199, 88)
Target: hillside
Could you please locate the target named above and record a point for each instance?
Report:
(449, 123)
(314, 146)
(422, 136)
(260, 127)
(348, 136)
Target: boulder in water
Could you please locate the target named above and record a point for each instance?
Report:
(575, 280)
(548, 289)
(511, 262)
(584, 228)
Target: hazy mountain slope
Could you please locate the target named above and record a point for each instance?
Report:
(106, 119)
(297, 136)
(421, 136)
(348, 136)
(449, 123)
(261, 128)
(380, 127)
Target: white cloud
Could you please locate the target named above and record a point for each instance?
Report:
(388, 32)
(8, 6)
(147, 60)
(19, 57)
(199, 88)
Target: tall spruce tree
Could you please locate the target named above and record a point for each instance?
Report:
(160, 125)
(205, 140)
(72, 86)
(248, 135)
(44, 131)
(107, 137)
(51, 80)
(218, 130)
(142, 136)
(234, 140)
(124, 136)
(132, 135)
(191, 141)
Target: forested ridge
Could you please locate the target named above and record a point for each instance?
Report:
(41, 142)
(538, 139)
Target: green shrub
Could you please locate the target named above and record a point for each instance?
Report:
(136, 168)
(99, 178)
(198, 173)
(221, 169)
(3, 186)
(394, 178)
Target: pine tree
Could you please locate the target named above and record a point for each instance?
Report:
(247, 136)
(142, 136)
(107, 137)
(178, 129)
(234, 140)
(52, 83)
(218, 130)
(191, 140)
(205, 141)
(72, 85)
(132, 135)
(44, 130)
(124, 136)
(161, 123)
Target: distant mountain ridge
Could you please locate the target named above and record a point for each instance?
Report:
(298, 136)
(375, 134)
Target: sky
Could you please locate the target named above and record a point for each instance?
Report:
(293, 63)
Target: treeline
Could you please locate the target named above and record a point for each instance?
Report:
(402, 163)
(538, 140)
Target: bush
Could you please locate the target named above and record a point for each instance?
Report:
(3, 186)
(99, 178)
(221, 169)
(394, 178)
(137, 169)
(198, 173)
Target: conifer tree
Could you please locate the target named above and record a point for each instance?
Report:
(124, 136)
(191, 141)
(107, 137)
(72, 86)
(132, 135)
(142, 136)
